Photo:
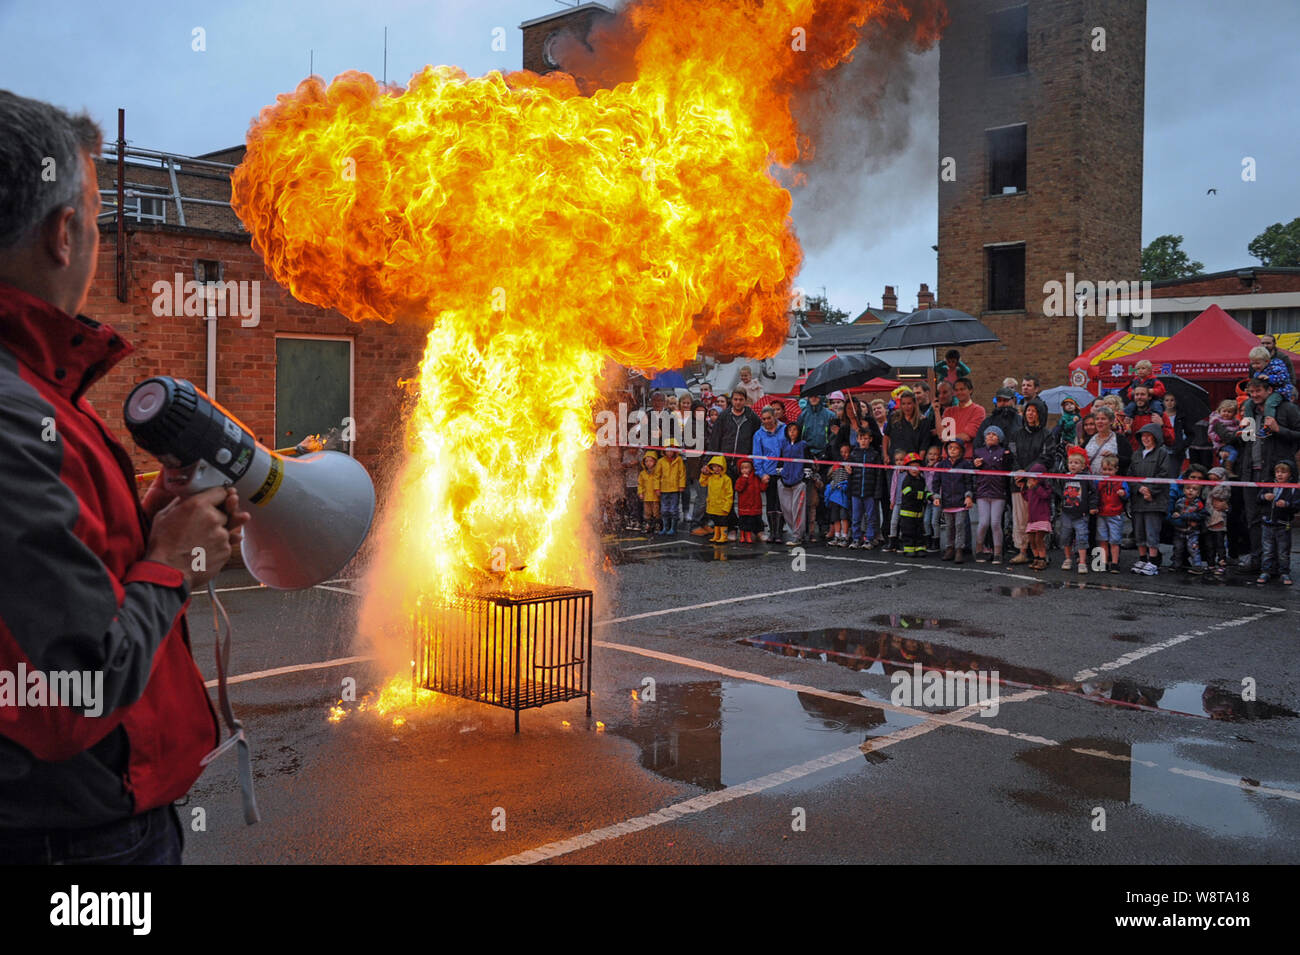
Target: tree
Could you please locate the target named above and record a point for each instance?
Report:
(818, 304)
(1278, 245)
(1164, 258)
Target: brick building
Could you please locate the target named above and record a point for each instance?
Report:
(541, 34)
(1265, 299)
(299, 370)
(1040, 146)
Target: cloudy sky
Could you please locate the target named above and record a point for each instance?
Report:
(1221, 81)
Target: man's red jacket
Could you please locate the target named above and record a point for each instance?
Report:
(77, 595)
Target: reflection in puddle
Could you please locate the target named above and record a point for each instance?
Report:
(908, 621)
(885, 653)
(716, 733)
(685, 551)
(1139, 774)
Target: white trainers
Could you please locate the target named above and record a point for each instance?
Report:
(1139, 567)
(1150, 569)
(1067, 564)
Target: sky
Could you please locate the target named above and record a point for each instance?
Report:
(1220, 87)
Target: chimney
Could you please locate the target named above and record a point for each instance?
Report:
(815, 316)
(889, 301)
(924, 298)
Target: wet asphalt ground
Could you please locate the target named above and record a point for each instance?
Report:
(770, 732)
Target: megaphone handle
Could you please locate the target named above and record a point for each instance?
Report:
(238, 737)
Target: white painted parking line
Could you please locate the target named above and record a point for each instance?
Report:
(337, 590)
(659, 544)
(295, 668)
(734, 600)
(1138, 654)
(731, 793)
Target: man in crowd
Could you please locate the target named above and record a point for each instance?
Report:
(815, 426)
(1029, 388)
(966, 415)
(92, 583)
(1277, 437)
(733, 436)
(1005, 416)
(1143, 415)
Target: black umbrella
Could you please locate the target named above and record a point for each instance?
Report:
(932, 328)
(842, 372)
(1193, 400)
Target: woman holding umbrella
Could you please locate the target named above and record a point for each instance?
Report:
(909, 430)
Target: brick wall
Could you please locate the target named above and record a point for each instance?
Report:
(1082, 208)
(1264, 282)
(578, 22)
(177, 346)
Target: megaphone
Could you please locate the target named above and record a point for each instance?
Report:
(310, 514)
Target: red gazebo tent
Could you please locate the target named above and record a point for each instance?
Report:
(1210, 350)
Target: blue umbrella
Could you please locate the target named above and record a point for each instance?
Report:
(668, 379)
(1053, 397)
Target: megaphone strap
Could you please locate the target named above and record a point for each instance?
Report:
(237, 738)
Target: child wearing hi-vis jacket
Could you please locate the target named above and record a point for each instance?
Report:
(717, 507)
(671, 472)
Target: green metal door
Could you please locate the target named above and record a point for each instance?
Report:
(313, 382)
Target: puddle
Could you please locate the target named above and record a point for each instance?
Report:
(908, 621)
(721, 552)
(717, 733)
(884, 653)
(1139, 775)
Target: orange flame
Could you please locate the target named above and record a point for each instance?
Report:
(539, 232)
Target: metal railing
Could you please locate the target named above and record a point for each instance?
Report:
(172, 164)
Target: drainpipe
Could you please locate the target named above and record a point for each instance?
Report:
(212, 355)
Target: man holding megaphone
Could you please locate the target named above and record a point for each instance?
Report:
(104, 717)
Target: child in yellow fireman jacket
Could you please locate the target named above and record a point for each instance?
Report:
(911, 508)
(647, 489)
(671, 473)
(717, 507)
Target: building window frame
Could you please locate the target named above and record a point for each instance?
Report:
(1004, 61)
(1002, 301)
(1001, 171)
(349, 447)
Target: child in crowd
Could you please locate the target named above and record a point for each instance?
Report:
(634, 519)
(1150, 501)
(990, 492)
(714, 477)
(1142, 376)
(749, 501)
(1078, 501)
(1216, 524)
(864, 488)
(671, 474)
(1187, 512)
(1223, 425)
(1038, 501)
(931, 520)
(837, 498)
(1275, 369)
(647, 489)
(911, 507)
(1068, 425)
(1111, 495)
(1276, 505)
(955, 498)
(792, 492)
(892, 545)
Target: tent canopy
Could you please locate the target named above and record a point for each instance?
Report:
(1211, 347)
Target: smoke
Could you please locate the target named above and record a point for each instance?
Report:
(874, 130)
(869, 128)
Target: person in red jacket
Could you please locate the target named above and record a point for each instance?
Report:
(749, 502)
(1144, 413)
(92, 583)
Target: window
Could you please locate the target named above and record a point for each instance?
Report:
(1007, 163)
(313, 389)
(1009, 42)
(1006, 278)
